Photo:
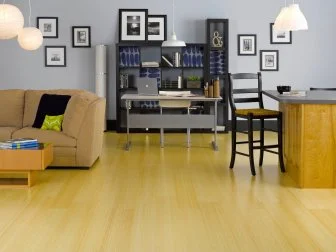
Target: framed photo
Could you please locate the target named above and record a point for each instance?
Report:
(81, 36)
(157, 28)
(55, 56)
(280, 37)
(269, 60)
(48, 26)
(247, 44)
(133, 25)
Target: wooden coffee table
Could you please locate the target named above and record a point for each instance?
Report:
(24, 161)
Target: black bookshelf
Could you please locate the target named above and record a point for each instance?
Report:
(128, 61)
(217, 63)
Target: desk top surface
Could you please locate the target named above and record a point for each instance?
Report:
(312, 97)
(136, 97)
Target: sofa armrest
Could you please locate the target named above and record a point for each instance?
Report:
(90, 137)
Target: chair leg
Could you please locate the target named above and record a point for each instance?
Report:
(188, 133)
(161, 133)
(262, 142)
(280, 145)
(250, 144)
(233, 140)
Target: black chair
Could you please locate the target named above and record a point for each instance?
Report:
(258, 113)
(330, 89)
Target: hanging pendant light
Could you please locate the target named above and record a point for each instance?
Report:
(11, 21)
(30, 38)
(172, 41)
(290, 19)
(295, 20)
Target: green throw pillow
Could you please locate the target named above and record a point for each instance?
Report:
(52, 122)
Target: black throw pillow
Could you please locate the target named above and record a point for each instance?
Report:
(50, 104)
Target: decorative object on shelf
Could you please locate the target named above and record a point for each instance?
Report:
(81, 36)
(150, 73)
(169, 84)
(133, 25)
(30, 38)
(123, 80)
(280, 37)
(129, 56)
(193, 81)
(48, 26)
(217, 40)
(193, 56)
(290, 19)
(177, 59)
(55, 56)
(172, 41)
(216, 88)
(247, 44)
(157, 28)
(166, 61)
(269, 60)
(217, 63)
(11, 21)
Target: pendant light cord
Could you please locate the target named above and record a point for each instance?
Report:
(29, 13)
(173, 17)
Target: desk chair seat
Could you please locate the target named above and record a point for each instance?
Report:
(174, 104)
(251, 114)
(257, 112)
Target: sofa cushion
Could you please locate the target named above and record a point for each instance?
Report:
(52, 122)
(6, 133)
(46, 136)
(52, 105)
(32, 100)
(11, 104)
(76, 111)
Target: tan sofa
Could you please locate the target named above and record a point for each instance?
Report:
(80, 141)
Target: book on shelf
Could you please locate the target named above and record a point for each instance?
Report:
(166, 60)
(150, 64)
(20, 140)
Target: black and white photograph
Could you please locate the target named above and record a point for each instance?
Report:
(55, 56)
(81, 36)
(157, 27)
(269, 60)
(48, 26)
(280, 37)
(247, 44)
(133, 25)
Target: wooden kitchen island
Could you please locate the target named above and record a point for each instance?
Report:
(309, 125)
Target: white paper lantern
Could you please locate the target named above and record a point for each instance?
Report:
(11, 21)
(295, 20)
(280, 20)
(30, 38)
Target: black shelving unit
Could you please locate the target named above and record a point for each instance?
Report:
(217, 63)
(128, 61)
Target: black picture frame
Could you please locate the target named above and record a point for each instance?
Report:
(49, 30)
(130, 17)
(48, 58)
(271, 63)
(281, 37)
(81, 36)
(251, 41)
(162, 27)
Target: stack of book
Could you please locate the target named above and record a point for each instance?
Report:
(19, 143)
(150, 64)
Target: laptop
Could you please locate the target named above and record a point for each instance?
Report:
(147, 86)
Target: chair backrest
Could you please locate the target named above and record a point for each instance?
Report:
(255, 92)
(330, 89)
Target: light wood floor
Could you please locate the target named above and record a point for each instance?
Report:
(171, 199)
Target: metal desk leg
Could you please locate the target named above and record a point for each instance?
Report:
(214, 142)
(128, 143)
(188, 132)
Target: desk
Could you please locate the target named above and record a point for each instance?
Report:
(170, 120)
(309, 126)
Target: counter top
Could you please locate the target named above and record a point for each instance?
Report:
(312, 97)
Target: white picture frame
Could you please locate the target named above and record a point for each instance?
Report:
(55, 56)
(133, 25)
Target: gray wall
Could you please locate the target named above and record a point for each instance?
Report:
(309, 61)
